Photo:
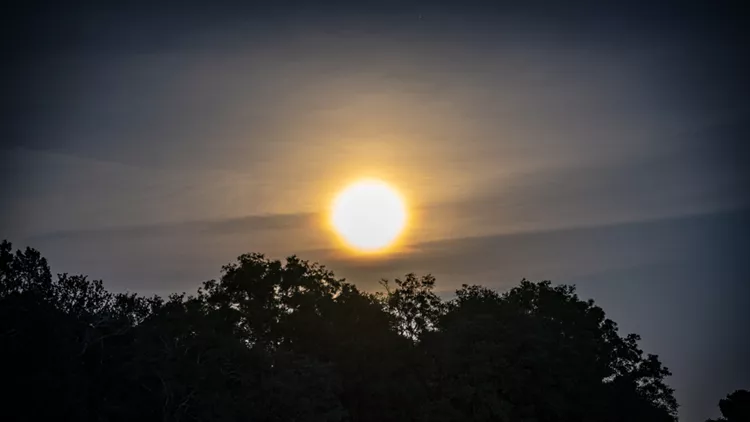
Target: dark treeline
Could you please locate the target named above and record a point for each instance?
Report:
(287, 341)
(735, 407)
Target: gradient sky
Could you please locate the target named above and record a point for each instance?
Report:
(601, 146)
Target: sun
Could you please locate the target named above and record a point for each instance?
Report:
(369, 215)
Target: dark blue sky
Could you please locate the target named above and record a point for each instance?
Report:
(602, 145)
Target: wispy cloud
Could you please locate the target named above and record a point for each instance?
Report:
(246, 225)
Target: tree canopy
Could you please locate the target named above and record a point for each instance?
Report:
(735, 407)
(288, 341)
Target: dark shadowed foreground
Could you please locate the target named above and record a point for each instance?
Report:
(735, 407)
(287, 341)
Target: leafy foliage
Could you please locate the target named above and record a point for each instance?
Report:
(735, 407)
(288, 341)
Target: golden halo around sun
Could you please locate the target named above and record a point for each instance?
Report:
(368, 215)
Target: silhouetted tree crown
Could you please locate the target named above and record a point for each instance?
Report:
(735, 407)
(288, 341)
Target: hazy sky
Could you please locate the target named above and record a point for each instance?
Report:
(604, 147)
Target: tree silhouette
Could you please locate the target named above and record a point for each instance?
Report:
(413, 304)
(288, 341)
(540, 353)
(735, 407)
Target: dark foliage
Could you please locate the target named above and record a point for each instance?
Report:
(288, 341)
(734, 408)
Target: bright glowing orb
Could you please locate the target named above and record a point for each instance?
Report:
(369, 215)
